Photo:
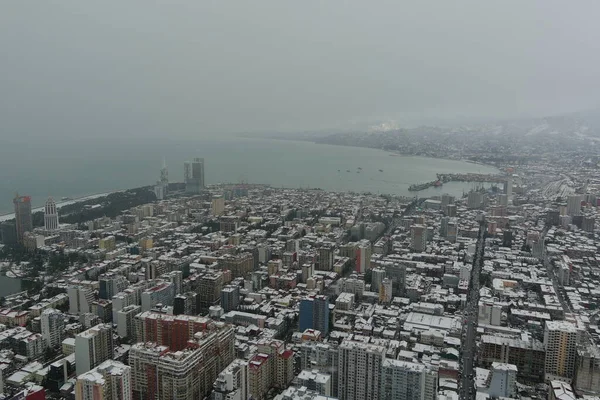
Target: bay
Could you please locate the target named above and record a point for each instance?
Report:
(45, 168)
(9, 286)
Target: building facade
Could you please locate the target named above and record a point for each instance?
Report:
(587, 370)
(503, 380)
(110, 380)
(560, 341)
(126, 321)
(52, 327)
(169, 330)
(359, 367)
(528, 355)
(403, 380)
(271, 367)
(23, 219)
(163, 293)
(230, 298)
(194, 175)
(314, 314)
(50, 215)
(418, 237)
(185, 374)
(92, 347)
(232, 382)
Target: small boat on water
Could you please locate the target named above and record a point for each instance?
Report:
(380, 170)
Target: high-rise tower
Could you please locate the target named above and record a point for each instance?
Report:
(162, 186)
(164, 173)
(359, 366)
(93, 347)
(406, 380)
(574, 205)
(110, 380)
(418, 237)
(560, 340)
(314, 314)
(52, 326)
(23, 219)
(187, 171)
(50, 215)
(194, 175)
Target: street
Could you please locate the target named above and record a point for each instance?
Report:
(467, 388)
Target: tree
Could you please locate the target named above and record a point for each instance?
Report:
(35, 286)
(63, 307)
(368, 276)
(82, 258)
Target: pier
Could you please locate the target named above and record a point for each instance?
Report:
(470, 177)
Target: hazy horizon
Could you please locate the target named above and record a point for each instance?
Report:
(200, 68)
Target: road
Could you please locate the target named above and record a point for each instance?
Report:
(552, 275)
(467, 389)
(395, 223)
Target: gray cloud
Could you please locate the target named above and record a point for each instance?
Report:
(205, 67)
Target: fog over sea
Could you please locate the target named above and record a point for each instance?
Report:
(43, 167)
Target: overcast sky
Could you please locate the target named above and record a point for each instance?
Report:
(199, 67)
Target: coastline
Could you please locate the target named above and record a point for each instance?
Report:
(397, 154)
(393, 153)
(374, 153)
(9, 216)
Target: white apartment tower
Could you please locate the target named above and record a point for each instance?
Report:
(163, 293)
(363, 256)
(508, 189)
(80, 299)
(403, 380)
(110, 380)
(359, 366)
(503, 380)
(232, 382)
(53, 327)
(126, 322)
(574, 205)
(50, 215)
(92, 347)
(560, 341)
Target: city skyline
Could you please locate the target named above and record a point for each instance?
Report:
(300, 200)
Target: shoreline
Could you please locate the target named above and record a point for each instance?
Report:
(392, 153)
(396, 154)
(11, 215)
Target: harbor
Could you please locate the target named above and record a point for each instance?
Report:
(445, 178)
